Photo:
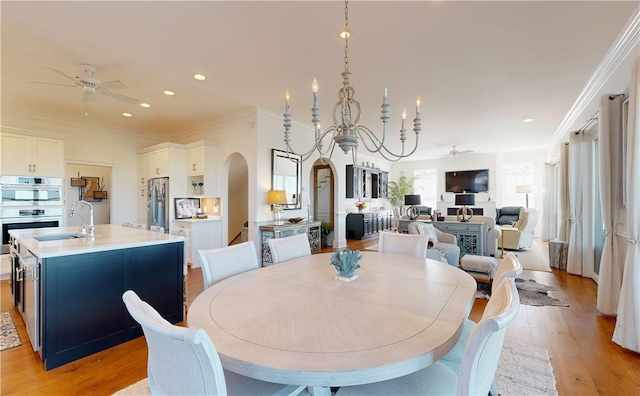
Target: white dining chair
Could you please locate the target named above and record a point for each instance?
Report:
(508, 269)
(479, 362)
(224, 262)
(184, 361)
(409, 244)
(288, 248)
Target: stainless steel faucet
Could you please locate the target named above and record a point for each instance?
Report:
(92, 228)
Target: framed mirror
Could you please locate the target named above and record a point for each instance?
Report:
(286, 173)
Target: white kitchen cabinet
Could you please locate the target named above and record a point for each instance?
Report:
(199, 234)
(141, 209)
(158, 163)
(203, 165)
(143, 169)
(195, 161)
(31, 155)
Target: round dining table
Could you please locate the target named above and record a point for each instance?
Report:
(295, 323)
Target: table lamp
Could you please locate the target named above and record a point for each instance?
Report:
(276, 199)
(524, 189)
(412, 200)
(464, 200)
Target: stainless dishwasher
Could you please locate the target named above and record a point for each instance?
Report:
(30, 311)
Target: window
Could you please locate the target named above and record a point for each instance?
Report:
(425, 185)
(513, 175)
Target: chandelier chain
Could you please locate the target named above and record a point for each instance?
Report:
(346, 33)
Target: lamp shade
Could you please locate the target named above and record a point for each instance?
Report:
(524, 188)
(465, 199)
(412, 199)
(277, 197)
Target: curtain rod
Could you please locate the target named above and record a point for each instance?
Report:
(594, 116)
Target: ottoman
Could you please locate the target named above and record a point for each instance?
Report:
(482, 268)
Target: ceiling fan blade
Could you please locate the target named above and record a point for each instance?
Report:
(119, 97)
(50, 83)
(115, 84)
(465, 151)
(68, 77)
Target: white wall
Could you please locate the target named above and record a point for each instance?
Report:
(101, 209)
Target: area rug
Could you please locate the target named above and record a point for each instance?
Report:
(138, 389)
(530, 292)
(534, 293)
(9, 337)
(522, 370)
(532, 259)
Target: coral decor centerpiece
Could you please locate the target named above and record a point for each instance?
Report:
(346, 263)
(360, 206)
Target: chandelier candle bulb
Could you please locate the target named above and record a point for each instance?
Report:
(418, 101)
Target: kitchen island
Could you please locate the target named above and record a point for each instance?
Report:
(70, 293)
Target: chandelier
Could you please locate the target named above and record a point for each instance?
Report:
(346, 131)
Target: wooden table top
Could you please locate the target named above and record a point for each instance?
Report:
(294, 323)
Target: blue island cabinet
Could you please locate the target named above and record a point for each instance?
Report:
(82, 309)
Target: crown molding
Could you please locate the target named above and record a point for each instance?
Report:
(626, 41)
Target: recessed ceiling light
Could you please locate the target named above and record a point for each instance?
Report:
(145, 105)
(169, 93)
(127, 114)
(527, 120)
(199, 77)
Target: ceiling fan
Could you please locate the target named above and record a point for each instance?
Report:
(454, 152)
(91, 85)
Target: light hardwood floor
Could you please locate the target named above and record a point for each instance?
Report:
(584, 359)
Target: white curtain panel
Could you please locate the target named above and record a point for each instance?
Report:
(627, 330)
(563, 194)
(548, 215)
(610, 174)
(577, 167)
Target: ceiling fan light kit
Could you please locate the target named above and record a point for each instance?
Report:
(91, 85)
(453, 152)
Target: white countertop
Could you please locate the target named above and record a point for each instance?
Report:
(210, 218)
(107, 237)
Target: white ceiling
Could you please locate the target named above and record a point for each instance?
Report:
(480, 67)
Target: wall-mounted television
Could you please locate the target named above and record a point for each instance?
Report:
(469, 181)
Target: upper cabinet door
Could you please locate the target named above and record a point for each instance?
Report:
(159, 163)
(34, 156)
(195, 164)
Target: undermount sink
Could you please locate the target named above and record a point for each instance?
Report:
(57, 237)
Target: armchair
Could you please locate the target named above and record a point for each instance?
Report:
(520, 236)
(508, 215)
(445, 244)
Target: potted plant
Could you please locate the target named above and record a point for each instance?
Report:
(325, 233)
(397, 190)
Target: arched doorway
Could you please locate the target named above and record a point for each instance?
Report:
(323, 202)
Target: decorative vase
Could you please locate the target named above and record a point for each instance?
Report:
(359, 210)
(346, 263)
